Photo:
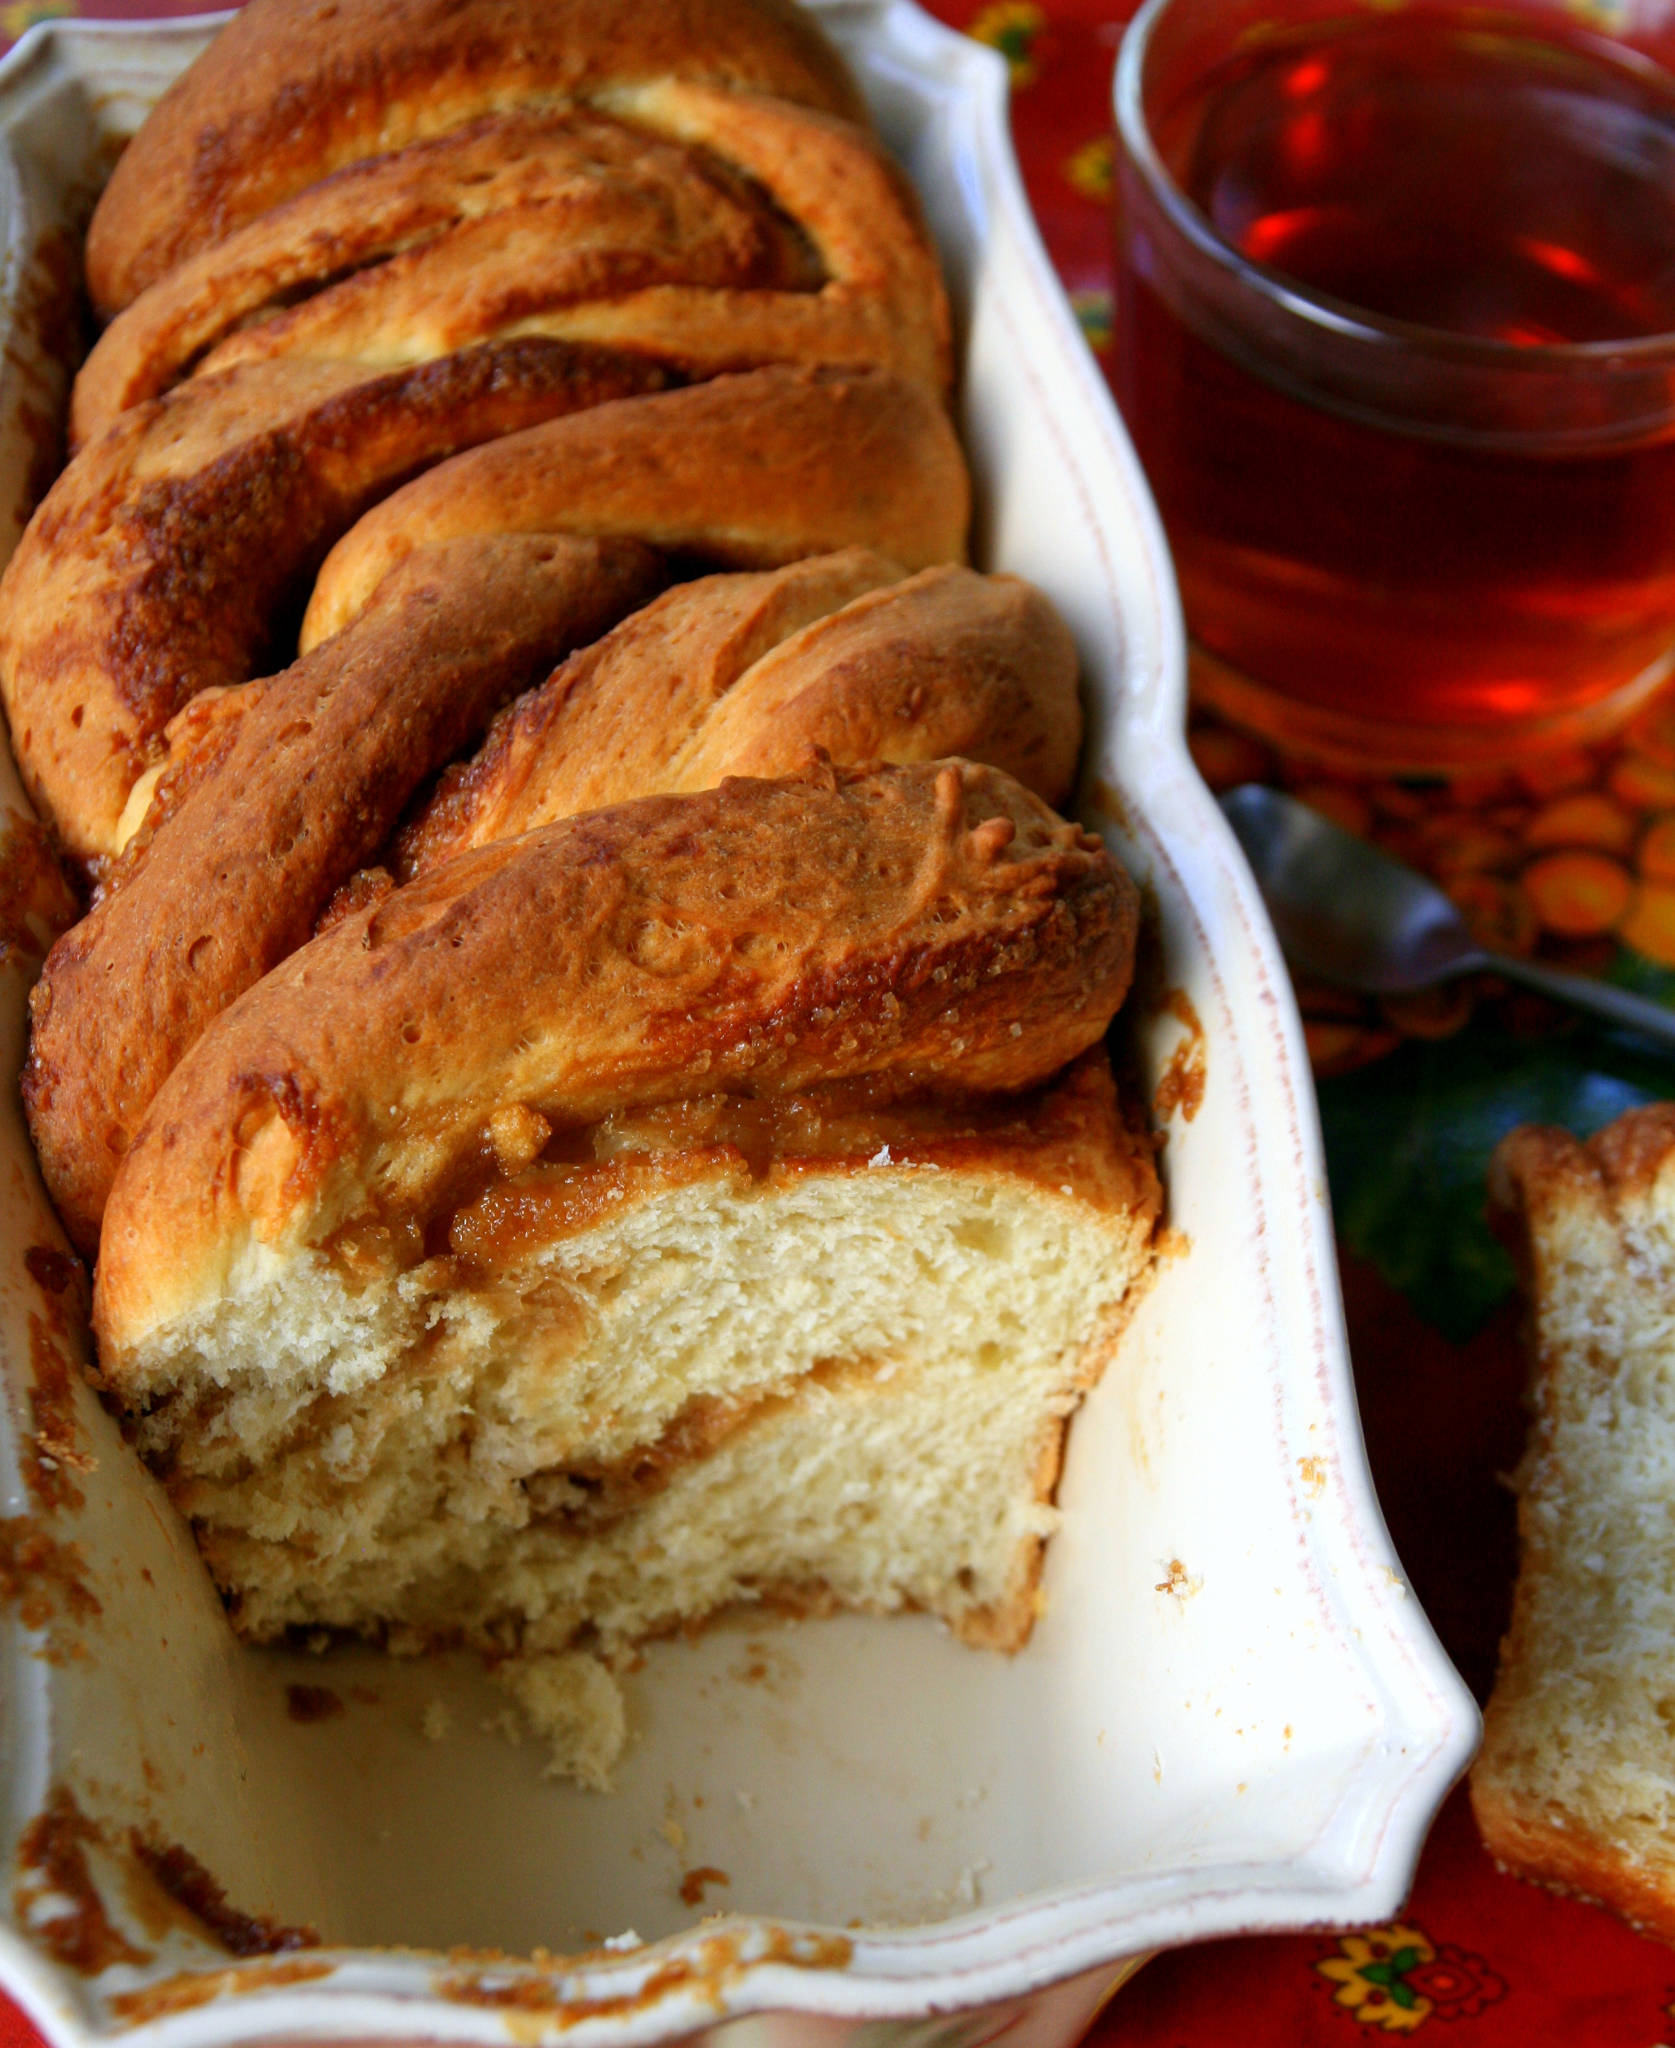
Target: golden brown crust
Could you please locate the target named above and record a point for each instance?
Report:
(303, 778)
(1530, 1168)
(1007, 1624)
(1634, 1150)
(1550, 1192)
(162, 557)
(1114, 1133)
(817, 460)
(1534, 1163)
(752, 674)
(1555, 1849)
(563, 185)
(717, 232)
(946, 662)
(608, 724)
(933, 925)
(1538, 1165)
(294, 89)
(160, 560)
(283, 788)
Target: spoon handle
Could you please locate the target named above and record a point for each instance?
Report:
(1637, 1013)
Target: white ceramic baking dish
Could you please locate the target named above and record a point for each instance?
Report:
(1231, 1717)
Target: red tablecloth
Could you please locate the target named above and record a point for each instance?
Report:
(1483, 1960)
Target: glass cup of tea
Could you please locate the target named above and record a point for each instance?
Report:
(1395, 339)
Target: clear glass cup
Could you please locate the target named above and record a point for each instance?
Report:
(1420, 491)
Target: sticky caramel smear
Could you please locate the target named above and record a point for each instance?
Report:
(185, 1880)
(1181, 1085)
(52, 1857)
(309, 1703)
(694, 1884)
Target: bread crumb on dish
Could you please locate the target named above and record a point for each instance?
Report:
(573, 1704)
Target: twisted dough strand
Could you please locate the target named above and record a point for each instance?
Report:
(292, 90)
(840, 459)
(294, 782)
(356, 240)
(716, 230)
(760, 937)
(162, 560)
(746, 675)
(291, 785)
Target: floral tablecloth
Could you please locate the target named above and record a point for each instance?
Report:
(1572, 858)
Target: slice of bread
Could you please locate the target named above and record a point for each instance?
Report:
(1575, 1786)
(835, 1377)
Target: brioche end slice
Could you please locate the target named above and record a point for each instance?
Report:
(1575, 1785)
(816, 1378)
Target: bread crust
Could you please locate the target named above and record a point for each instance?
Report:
(817, 460)
(1559, 1852)
(752, 674)
(933, 927)
(159, 561)
(300, 782)
(591, 183)
(292, 90)
(718, 231)
(1538, 1167)
(285, 787)
(1071, 1138)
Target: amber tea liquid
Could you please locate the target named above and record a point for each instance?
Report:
(1485, 181)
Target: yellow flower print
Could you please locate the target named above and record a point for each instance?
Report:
(23, 14)
(1011, 27)
(1091, 168)
(1371, 1975)
(1394, 1978)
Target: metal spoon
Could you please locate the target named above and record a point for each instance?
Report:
(1349, 914)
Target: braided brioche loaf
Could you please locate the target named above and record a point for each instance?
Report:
(583, 1110)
